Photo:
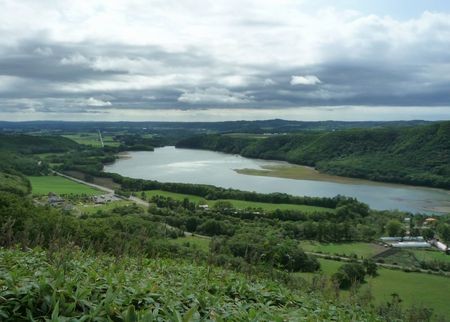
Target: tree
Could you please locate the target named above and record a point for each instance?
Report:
(349, 274)
(223, 206)
(371, 267)
(428, 233)
(444, 232)
(394, 228)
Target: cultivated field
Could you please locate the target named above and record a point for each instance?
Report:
(45, 184)
(92, 139)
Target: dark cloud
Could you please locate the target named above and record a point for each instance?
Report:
(252, 59)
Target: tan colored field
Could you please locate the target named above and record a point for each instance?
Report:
(299, 172)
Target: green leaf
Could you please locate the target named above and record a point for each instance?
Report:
(55, 313)
(188, 316)
(131, 315)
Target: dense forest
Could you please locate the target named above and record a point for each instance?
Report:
(417, 155)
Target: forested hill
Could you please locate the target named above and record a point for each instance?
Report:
(35, 144)
(19, 155)
(417, 155)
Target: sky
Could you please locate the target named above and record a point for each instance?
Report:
(191, 60)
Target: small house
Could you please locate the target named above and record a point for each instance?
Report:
(54, 200)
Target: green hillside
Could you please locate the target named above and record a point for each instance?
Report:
(415, 155)
(16, 184)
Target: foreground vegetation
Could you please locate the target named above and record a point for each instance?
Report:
(75, 285)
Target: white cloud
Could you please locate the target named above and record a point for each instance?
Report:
(91, 101)
(135, 65)
(75, 59)
(129, 82)
(305, 80)
(43, 51)
(213, 95)
(269, 82)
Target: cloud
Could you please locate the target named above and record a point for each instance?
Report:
(305, 80)
(75, 59)
(213, 95)
(45, 51)
(171, 54)
(269, 82)
(96, 102)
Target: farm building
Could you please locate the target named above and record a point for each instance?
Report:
(411, 244)
(399, 239)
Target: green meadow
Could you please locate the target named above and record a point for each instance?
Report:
(45, 184)
(238, 204)
(201, 243)
(430, 255)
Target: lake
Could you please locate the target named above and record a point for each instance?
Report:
(169, 164)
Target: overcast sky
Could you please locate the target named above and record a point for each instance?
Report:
(224, 60)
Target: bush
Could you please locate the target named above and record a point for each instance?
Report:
(349, 274)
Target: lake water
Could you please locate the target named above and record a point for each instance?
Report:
(168, 164)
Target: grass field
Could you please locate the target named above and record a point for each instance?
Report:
(193, 241)
(359, 249)
(239, 204)
(414, 288)
(44, 185)
(431, 255)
